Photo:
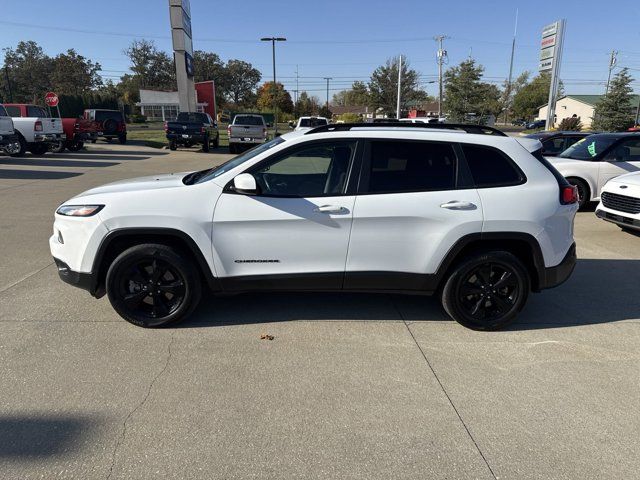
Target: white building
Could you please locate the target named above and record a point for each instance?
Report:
(581, 106)
(161, 106)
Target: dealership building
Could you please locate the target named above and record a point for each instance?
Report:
(164, 106)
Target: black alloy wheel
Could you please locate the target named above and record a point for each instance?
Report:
(75, 146)
(488, 291)
(152, 285)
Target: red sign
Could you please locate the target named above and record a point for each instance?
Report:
(51, 99)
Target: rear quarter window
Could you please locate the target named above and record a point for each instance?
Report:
(3, 112)
(490, 167)
(13, 111)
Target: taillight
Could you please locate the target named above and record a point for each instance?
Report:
(166, 127)
(229, 131)
(569, 194)
(37, 126)
(202, 130)
(264, 131)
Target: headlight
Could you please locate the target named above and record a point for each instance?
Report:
(79, 210)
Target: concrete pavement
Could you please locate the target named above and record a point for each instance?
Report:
(352, 386)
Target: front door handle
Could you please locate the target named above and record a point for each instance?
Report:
(459, 205)
(329, 209)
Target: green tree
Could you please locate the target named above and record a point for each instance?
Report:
(530, 97)
(613, 113)
(465, 93)
(306, 105)
(241, 82)
(73, 74)
(383, 86)
(29, 71)
(151, 68)
(356, 96)
(266, 96)
(510, 91)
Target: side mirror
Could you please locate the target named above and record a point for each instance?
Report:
(245, 183)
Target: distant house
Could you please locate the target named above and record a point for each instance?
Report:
(337, 110)
(582, 106)
(164, 106)
(422, 109)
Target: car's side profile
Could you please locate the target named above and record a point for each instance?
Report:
(593, 161)
(475, 218)
(557, 141)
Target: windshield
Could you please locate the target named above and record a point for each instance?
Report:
(588, 147)
(248, 120)
(313, 122)
(206, 175)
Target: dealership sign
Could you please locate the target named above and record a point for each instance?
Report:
(548, 46)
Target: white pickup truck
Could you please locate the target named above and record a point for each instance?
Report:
(36, 130)
(246, 129)
(8, 138)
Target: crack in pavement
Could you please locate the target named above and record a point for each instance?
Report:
(26, 277)
(444, 390)
(114, 455)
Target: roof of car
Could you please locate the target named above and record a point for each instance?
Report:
(553, 133)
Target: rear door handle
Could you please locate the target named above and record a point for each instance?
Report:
(330, 209)
(459, 205)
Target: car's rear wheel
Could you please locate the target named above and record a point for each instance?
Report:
(76, 146)
(232, 148)
(584, 193)
(216, 142)
(486, 291)
(173, 145)
(153, 285)
(22, 148)
(206, 143)
(122, 138)
(59, 147)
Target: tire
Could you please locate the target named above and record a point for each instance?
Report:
(94, 140)
(216, 142)
(137, 269)
(60, 147)
(122, 138)
(23, 147)
(75, 146)
(584, 192)
(232, 148)
(39, 148)
(206, 144)
(173, 145)
(109, 126)
(470, 295)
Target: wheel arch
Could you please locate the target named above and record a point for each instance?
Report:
(590, 185)
(522, 245)
(117, 241)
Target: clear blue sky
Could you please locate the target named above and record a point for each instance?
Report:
(344, 39)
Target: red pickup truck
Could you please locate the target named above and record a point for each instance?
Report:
(76, 132)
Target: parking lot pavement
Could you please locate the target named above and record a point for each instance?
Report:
(352, 386)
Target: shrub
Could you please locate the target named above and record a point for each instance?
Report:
(137, 118)
(350, 118)
(570, 123)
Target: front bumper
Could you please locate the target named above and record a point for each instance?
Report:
(81, 280)
(555, 276)
(624, 220)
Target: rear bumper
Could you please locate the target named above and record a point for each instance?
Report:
(555, 276)
(246, 140)
(48, 137)
(190, 137)
(626, 220)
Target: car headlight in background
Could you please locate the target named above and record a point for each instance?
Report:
(79, 210)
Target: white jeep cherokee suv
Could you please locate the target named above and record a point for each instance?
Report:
(462, 211)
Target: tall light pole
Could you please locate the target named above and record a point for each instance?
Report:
(613, 60)
(507, 94)
(273, 41)
(327, 79)
(399, 86)
(442, 53)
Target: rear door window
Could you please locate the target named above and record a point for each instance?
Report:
(35, 111)
(554, 145)
(13, 111)
(490, 167)
(404, 166)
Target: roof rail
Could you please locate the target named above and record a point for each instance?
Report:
(344, 127)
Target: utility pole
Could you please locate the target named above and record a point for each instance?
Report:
(297, 85)
(6, 75)
(638, 112)
(273, 41)
(441, 56)
(399, 86)
(508, 89)
(327, 79)
(612, 63)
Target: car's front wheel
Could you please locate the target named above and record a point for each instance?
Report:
(486, 291)
(153, 285)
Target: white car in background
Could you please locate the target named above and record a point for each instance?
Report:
(307, 123)
(593, 161)
(620, 201)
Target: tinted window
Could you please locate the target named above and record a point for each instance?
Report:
(398, 166)
(103, 115)
(248, 120)
(311, 171)
(193, 117)
(3, 112)
(625, 151)
(490, 167)
(13, 111)
(554, 145)
(312, 122)
(589, 147)
(35, 111)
